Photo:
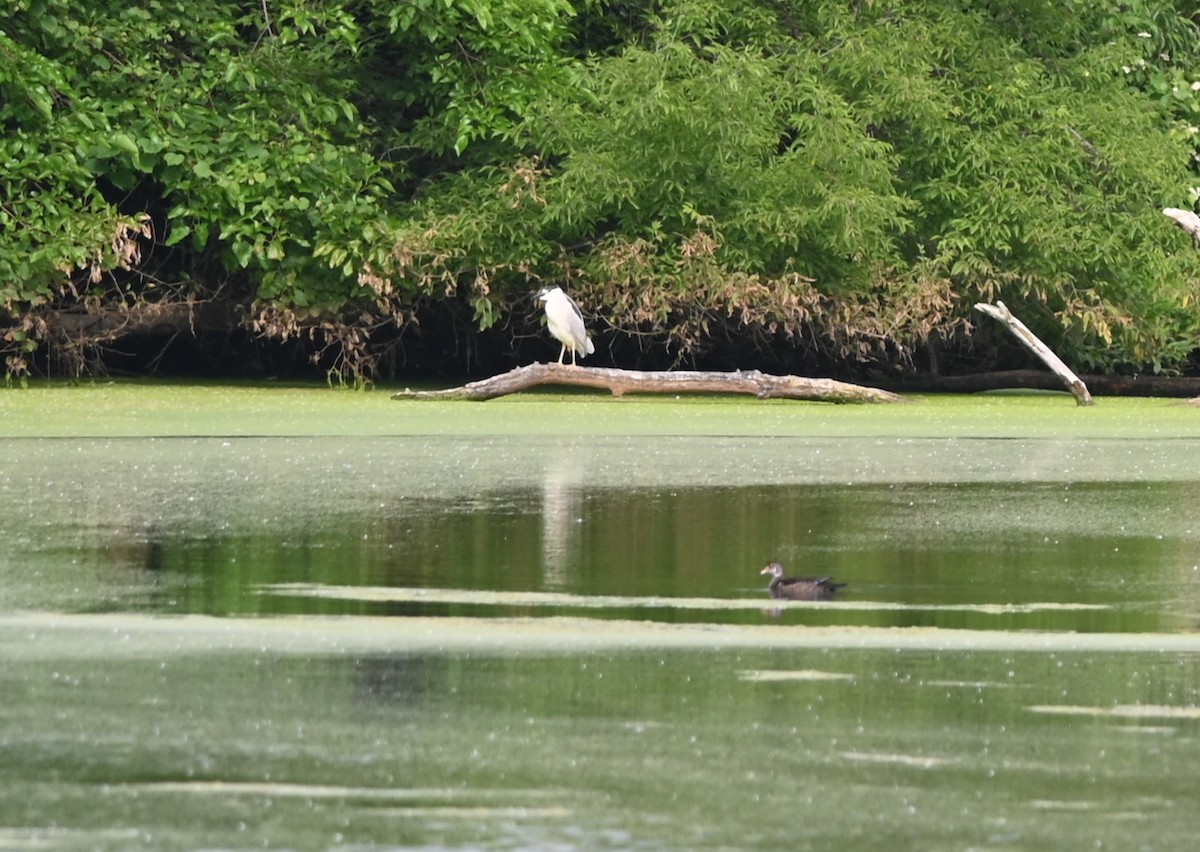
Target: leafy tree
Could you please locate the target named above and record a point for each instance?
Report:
(843, 178)
(227, 142)
(177, 152)
(854, 176)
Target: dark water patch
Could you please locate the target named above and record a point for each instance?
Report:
(1122, 547)
(194, 531)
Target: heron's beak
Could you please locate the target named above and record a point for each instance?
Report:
(766, 570)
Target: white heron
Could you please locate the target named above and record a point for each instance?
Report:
(1187, 220)
(566, 323)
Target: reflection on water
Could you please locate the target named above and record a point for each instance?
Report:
(561, 501)
(199, 525)
(634, 687)
(934, 522)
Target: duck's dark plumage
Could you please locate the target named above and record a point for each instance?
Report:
(799, 588)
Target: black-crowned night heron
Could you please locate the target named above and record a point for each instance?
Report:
(799, 588)
(1187, 220)
(566, 323)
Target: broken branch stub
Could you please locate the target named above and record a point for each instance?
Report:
(1031, 341)
(1187, 220)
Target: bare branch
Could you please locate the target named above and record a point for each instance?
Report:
(1031, 341)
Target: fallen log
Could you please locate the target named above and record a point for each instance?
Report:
(1164, 386)
(620, 382)
(1031, 341)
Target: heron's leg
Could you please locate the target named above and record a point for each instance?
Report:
(562, 352)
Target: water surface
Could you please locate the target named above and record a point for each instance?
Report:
(560, 640)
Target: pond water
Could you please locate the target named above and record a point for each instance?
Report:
(561, 641)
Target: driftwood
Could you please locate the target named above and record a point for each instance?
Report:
(1001, 312)
(620, 382)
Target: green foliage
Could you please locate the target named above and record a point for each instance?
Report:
(228, 141)
(659, 140)
(1161, 61)
(237, 133)
(852, 176)
(1037, 181)
(469, 68)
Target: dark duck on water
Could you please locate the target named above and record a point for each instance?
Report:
(799, 588)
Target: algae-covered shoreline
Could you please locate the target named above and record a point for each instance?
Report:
(166, 409)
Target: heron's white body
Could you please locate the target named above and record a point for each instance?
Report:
(565, 321)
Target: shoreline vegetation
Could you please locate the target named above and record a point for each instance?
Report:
(818, 189)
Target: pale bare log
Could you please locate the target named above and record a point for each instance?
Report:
(1031, 341)
(1187, 220)
(620, 382)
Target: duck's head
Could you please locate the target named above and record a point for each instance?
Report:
(775, 569)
